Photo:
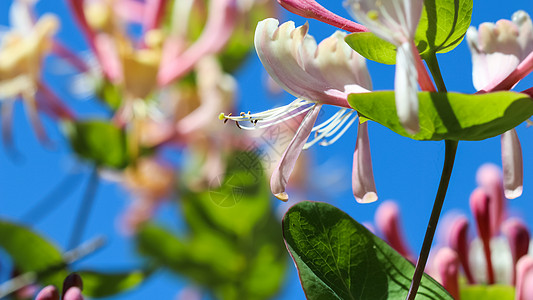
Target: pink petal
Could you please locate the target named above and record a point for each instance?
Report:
(311, 9)
(458, 241)
(107, 54)
(489, 177)
(513, 170)
(74, 293)
(72, 281)
(223, 15)
(130, 10)
(154, 11)
(363, 185)
(479, 204)
(280, 176)
(524, 278)
(387, 220)
(518, 236)
(406, 88)
(447, 264)
(48, 293)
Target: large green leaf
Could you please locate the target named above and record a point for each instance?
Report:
(487, 292)
(337, 258)
(32, 253)
(233, 245)
(102, 284)
(442, 27)
(100, 142)
(450, 116)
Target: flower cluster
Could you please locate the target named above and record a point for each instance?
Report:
(498, 254)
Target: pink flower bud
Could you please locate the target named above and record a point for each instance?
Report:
(48, 293)
(518, 237)
(387, 220)
(458, 241)
(480, 206)
(447, 265)
(524, 279)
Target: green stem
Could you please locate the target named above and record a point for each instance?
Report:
(449, 158)
(84, 210)
(433, 65)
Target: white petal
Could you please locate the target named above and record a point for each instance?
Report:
(363, 185)
(405, 86)
(512, 164)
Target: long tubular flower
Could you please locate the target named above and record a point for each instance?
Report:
(396, 21)
(512, 164)
(363, 185)
(387, 220)
(479, 204)
(316, 74)
(518, 237)
(502, 54)
(447, 264)
(489, 177)
(311, 9)
(524, 277)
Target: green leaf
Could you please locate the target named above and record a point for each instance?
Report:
(99, 284)
(450, 116)
(487, 292)
(32, 253)
(338, 258)
(371, 47)
(100, 142)
(441, 28)
(443, 24)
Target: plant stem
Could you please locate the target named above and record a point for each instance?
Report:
(84, 210)
(433, 65)
(449, 158)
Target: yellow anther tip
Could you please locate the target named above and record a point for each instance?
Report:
(222, 116)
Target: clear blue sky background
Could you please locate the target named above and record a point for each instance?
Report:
(405, 170)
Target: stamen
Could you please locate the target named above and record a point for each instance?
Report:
(332, 126)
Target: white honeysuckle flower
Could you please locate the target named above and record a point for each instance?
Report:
(497, 49)
(396, 21)
(316, 74)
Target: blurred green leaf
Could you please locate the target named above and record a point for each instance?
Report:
(101, 284)
(337, 258)
(233, 247)
(32, 253)
(110, 94)
(442, 27)
(487, 292)
(100, 142)
(450, 116)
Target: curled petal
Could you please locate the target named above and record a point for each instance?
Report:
(405, 86)
(280, 176)
(363, 185)
(321, 73)
(513, 170)
(107, 54)
(498, 49)
(524, 279)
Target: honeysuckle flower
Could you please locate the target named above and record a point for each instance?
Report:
(387, 220)
(495, 256)
(499, 52)
(72, 287)
(317, 75)
(22, 51)
(396, 21)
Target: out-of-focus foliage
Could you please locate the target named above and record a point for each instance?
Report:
(233, 247)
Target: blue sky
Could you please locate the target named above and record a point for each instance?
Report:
(405, 170)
